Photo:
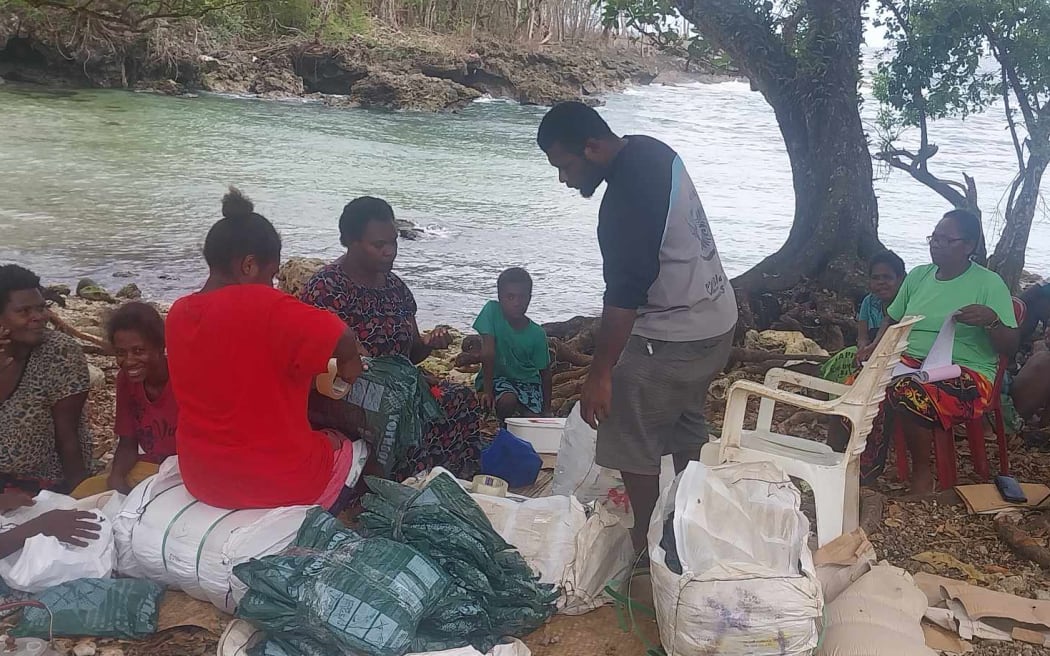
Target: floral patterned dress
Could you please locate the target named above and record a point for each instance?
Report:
(383, 318)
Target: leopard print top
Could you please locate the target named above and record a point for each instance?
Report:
(56, 369)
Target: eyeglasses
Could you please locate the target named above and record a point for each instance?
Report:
(937, 240)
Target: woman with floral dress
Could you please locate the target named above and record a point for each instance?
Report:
(361, 288)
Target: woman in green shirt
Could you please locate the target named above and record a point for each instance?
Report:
(954, 285)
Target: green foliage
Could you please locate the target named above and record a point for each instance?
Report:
(657, 21)
(949, 56)
(332, 22)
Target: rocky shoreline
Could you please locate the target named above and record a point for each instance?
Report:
(392, 70)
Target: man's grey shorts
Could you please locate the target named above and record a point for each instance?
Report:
(658, 402)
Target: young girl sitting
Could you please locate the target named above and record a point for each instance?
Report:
(146, 409)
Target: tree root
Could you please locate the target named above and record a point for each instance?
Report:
(566, 390)
(572, 374)
(95, 344)
(1021, 543)
(564, 352)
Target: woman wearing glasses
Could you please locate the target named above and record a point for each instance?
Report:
(44, 383)
(954, 285)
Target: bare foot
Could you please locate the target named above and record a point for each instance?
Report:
(922, 487)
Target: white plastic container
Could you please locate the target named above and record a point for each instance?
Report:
(543, 433)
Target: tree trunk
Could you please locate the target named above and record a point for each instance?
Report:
(1008, 258)
(815, 97)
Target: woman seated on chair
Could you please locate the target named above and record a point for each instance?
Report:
(954, 285)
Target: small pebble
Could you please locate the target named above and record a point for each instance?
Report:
(111, 651)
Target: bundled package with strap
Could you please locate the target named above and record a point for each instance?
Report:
(493, 594)
(732, 573)
(397, 403)
(336, 592)
(165, 535)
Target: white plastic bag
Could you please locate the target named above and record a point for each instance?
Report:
(543, 530)
(579, 554)
(757, 594)
(240, 636)
(44, 561)
(579, 549)
(603, 553)
(576, 474)
(165, 535)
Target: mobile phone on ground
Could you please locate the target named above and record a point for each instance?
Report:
(1010, 489)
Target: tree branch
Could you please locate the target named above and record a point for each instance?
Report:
(1018, 148)
(1010, 75)
(748, 39)
(916, 165)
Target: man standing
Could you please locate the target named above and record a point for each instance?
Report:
(669, 311)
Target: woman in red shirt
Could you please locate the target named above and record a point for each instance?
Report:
(146, 409)
(243, 357)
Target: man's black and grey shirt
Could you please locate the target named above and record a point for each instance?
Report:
(659, 255)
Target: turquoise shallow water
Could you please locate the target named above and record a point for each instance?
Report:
(97, 182)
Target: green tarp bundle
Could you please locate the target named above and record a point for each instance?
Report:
(493, 593)
(103, 608)
(428, 573)
(336, 592)
(398, 405)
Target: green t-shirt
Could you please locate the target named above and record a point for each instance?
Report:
(520, 354)
(921, 293)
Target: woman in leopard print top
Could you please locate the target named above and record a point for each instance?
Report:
(44, 383)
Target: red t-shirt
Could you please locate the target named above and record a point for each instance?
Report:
(242, 361)
(150, 424)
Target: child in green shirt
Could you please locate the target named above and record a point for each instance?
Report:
(515, 378)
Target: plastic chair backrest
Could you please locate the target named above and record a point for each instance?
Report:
(869, 388)
(1020, 314)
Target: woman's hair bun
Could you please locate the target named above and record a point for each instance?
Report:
(236, 205)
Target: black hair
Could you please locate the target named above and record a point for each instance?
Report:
(139, 317)
(514, 276)
(240, 233)
(970, 228)
(571, 125)
(358, 213)
(890, 259)
(14, 278)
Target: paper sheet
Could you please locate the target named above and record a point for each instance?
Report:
(938, 363)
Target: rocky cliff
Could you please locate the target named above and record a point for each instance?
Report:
(385, 69)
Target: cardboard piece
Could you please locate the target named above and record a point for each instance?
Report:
(845, 550)
(985, 498)
(841, 562)
(943, 640)
(983, 613)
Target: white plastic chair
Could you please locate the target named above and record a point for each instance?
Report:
(834, 477)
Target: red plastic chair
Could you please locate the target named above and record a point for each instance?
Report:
(944, 440)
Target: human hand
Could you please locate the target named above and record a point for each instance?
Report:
(15, 499)
(864, 354)
(486, 400)
(596, 398)
(437, 339)
(351, 369)
(5, 348)
(74, 527)
(981, 316)
(118, 483)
